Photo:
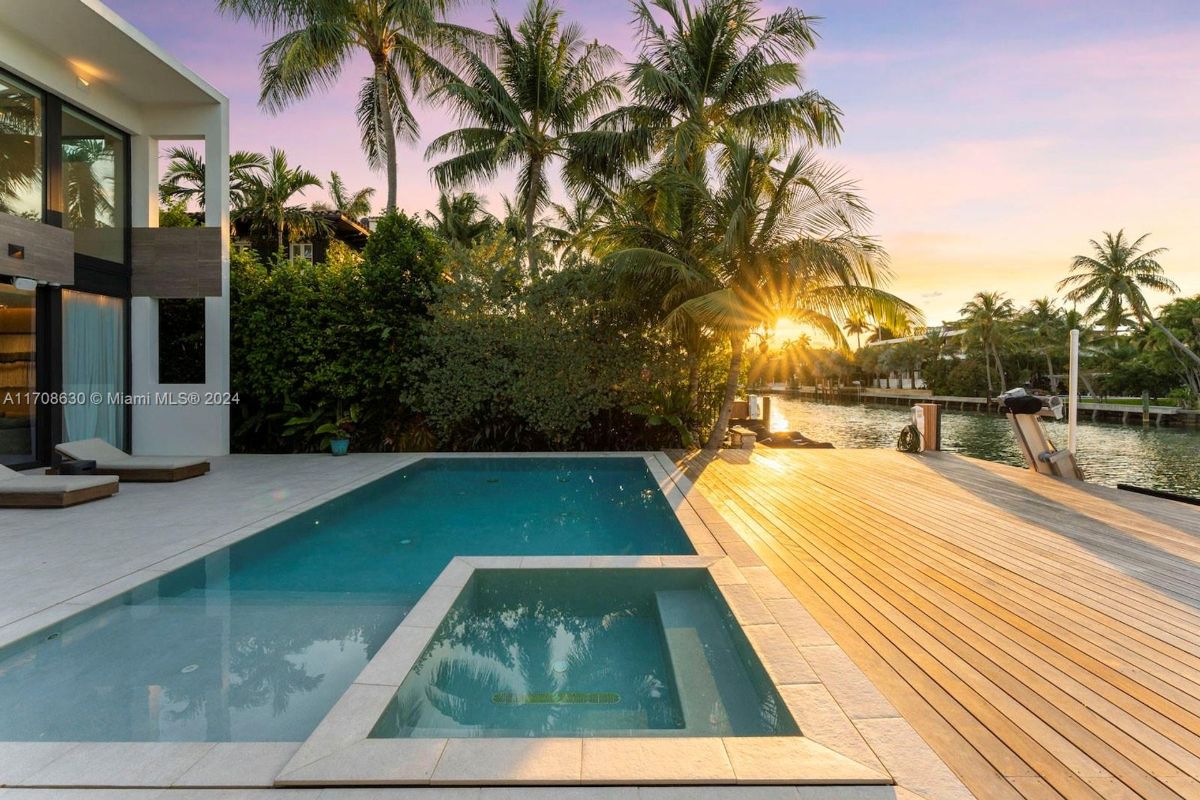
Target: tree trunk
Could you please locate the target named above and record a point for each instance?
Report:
(535, 172)
(693, 359)
(1050, 369)
(279, 238)
(736, 342)
(987, 366)
(383, 93)
(1000, 369)
(1178, 345)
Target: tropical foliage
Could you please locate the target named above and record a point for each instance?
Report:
(524, 108)
(352, 204)
(184, 179)
(656, 224)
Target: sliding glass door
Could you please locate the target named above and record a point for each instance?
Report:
(94, 366)
(18, 375)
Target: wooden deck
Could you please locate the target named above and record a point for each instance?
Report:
(1043, 637)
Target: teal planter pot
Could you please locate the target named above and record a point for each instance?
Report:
(339, 447)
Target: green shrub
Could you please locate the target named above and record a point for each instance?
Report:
(510, 363)
(965, 378)
(308, 335)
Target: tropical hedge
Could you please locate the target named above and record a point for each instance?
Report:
(437, 348)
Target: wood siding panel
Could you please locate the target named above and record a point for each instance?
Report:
(176, 262)
(49, 251)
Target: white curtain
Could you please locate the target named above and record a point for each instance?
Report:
(94, 361)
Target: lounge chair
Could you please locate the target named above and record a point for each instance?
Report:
(112, 461)
(41, 491)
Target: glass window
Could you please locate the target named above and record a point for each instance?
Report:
(181, 340)
(20, 149)
(300, 250)
(18, 374)
(94, 186)
(94, 366)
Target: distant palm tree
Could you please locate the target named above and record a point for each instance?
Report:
(316, 39)
(354, 205)
(984, 316)
(183, 182)
(461, 219)
(1111, 281)
(1043, 322)
(269, 200)
(856, 325)
(527, 111)
(575, 231)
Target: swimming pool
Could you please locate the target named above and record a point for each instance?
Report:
(584, 653)
(256, 641)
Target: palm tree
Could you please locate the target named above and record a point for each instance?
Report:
(1043, 322)
(268, 206)
(575, 230)
(984, 315)
(183, 182)
(713, 70)
(461, 219)
(316, 39)
(780, 240)
(1111, 281)
(354, 205)
(895, 327)
(856, 325)
(656, 265)
(527, 111)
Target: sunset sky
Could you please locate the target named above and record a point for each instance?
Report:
(992, 140)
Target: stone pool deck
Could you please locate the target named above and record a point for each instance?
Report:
(54, 563)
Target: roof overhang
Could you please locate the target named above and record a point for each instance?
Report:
(100, 46)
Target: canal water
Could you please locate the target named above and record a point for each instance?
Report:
(1158, 458)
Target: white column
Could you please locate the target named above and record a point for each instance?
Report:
(143, 311)
(1073, 392)
(216, 309)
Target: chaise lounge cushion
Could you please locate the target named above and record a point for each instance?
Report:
(52, 490)
(11, 480)
(108, 457)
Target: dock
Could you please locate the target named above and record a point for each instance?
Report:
(1125, 413)
(1042, 636)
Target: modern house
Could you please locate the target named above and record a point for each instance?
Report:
(85, 273)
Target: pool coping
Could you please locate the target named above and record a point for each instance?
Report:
(842, 709)
(340, 751)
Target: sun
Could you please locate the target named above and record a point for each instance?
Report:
(787, 329)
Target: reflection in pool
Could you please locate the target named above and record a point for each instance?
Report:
(587, 652)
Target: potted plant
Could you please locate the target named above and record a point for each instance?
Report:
(338, 433)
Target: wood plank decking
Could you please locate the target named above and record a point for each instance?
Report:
(1044, 637)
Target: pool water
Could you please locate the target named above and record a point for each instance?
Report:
(587, 652)
(257, 641)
